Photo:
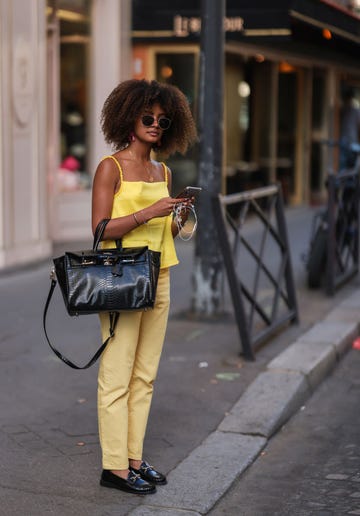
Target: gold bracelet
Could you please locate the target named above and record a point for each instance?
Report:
(136, 220)
(144, 221)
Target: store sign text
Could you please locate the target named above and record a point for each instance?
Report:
(184, 26)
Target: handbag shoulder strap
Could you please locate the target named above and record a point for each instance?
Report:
(113, 317)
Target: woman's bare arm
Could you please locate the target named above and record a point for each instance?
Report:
(105, 185)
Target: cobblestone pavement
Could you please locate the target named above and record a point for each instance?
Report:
(312, 466)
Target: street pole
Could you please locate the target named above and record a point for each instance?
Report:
(208, 262)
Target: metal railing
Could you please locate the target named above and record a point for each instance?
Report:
(257, 263)
(343, 229)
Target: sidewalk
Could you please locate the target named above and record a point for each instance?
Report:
(205, 475)
(212, 412)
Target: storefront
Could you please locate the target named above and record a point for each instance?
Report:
(286, 66)
(287, 63)
(88, 54)
(59, 59)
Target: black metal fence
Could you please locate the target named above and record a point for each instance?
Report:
(253, 238)
(343, 229)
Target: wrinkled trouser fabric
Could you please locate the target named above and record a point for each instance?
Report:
(127, 371)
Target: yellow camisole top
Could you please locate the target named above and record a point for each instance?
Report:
(134, 196)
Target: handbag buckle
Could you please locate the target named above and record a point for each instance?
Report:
(84, 261)
(53, 274)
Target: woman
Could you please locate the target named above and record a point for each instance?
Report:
(133, 190)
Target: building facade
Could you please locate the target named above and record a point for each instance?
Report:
(286, 65)
(59, 61)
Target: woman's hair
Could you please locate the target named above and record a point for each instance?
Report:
(128, 101)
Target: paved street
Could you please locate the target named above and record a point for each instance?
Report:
(312, 466)
(48, 426)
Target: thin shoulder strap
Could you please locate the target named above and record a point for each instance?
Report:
(166, 172)
(117, 164)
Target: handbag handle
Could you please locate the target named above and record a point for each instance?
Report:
(113, 317)
(99, 231)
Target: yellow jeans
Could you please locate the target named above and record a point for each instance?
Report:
(127, 371)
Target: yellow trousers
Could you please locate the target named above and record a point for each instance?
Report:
(127, 371)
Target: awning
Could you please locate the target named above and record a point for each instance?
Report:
(327, 14)
(304, 20)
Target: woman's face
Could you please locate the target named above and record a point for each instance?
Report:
(151, 124)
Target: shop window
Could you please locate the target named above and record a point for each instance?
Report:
(237, 100)
(74, 34)
(242, 171)
(179, 69)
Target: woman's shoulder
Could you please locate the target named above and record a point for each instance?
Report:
(160, 165)
(163, 168)
(109, 166)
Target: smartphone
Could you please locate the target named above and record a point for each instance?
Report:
(188, 192)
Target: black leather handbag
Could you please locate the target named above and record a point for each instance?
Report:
(104, 280)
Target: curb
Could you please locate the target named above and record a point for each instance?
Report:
(205, 475)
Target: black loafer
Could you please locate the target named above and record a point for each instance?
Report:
(148, 473)
(132, 484)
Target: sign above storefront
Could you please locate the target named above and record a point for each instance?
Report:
(184, 26)
(159, 21)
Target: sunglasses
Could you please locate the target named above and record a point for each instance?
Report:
(163, 122)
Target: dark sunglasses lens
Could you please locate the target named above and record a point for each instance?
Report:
(164, 123)
(147, 120)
